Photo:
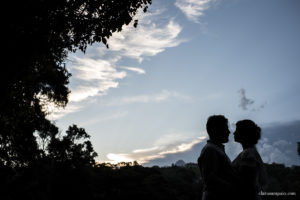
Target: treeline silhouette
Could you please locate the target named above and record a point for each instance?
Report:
(45, 180)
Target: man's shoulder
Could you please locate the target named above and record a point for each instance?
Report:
(212, 153)
(210, 148)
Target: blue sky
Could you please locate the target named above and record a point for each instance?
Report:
(148, 96)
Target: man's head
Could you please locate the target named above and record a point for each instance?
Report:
(217, 128)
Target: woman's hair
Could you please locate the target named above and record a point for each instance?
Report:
(248, 131)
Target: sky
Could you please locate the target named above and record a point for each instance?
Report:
(147, 97)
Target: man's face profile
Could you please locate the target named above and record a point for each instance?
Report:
(222, 133)
(217, 128)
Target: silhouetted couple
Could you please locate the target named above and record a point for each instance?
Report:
(223, 179)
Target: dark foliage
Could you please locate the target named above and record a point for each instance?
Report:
(38, 35)
(69, 152)
(283, 179)
(125, 181)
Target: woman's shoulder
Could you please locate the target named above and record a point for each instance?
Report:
(251, 154)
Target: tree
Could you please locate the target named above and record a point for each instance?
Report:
(69, 151)
(180, 163)
(37, 38)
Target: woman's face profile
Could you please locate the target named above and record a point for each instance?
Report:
(237, 135)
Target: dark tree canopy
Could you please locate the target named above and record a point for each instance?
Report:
(38, 35)
(69, 151)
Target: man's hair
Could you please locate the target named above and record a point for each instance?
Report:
(249, 132)
(213, 124)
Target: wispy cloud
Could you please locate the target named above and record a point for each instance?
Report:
(98, 72)
(170, 144)
(94, 78)
(244, 101)
(193, 9)
(278, 144)
(97, 77)
(154, 98)
(135, 69)
(58, 112)
(247, 103)
(146, 40)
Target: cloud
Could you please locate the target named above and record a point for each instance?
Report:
(152, 36)
(97, 77)
(161, 148)
(58, 112)
(98, 71)
(193, 9)
(274, 152)
(148, 39)
(154, 98)
(244, 101)
(278, 144)
(94, 78)
(247, 103)
(135, 69)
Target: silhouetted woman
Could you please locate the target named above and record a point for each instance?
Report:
(248, 163)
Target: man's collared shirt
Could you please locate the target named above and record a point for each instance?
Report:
(216, 171)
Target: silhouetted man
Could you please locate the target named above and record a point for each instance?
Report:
(215, 166)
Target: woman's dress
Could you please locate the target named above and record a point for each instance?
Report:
(251, 171)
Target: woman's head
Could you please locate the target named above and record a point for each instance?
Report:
(247, 132)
